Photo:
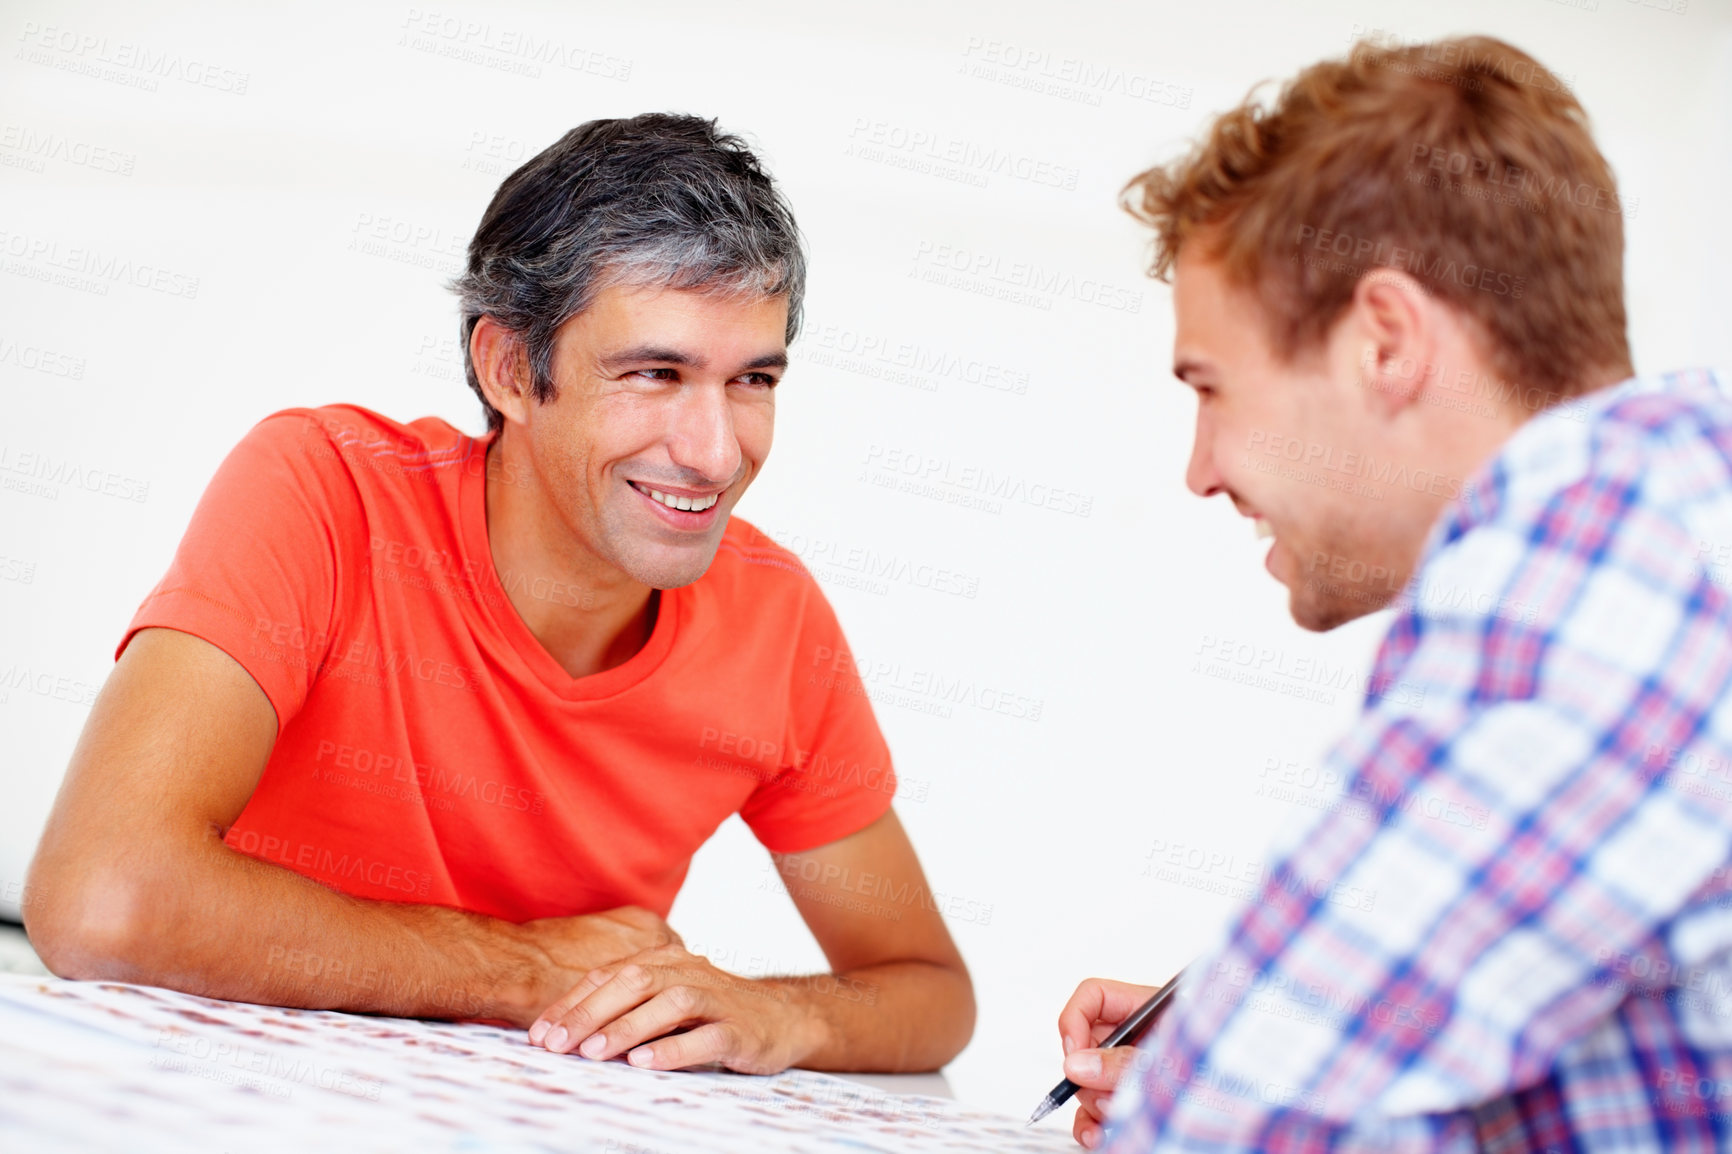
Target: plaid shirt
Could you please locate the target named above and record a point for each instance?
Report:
(1514, 929)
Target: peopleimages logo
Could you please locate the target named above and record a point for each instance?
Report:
(1278, 666)
(135, 65)
(1456, 171)
(520, 51)
(1016, 281)
(1066, 77)
(925, 690)
(52, 471)
(89, 269)
(36, 147)
(1358, 253)
(1324, 458)
(902, 362)
(860, 566)
(943, 477)
(885, 141)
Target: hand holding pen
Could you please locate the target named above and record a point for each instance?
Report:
(1100, 1027)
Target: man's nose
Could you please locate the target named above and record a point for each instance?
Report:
(702, 436)
(1201, 475)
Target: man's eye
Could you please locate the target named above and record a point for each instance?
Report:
(656, 374)
(762, 379)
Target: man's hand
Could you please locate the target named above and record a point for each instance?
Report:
(749, 1026)
(897, 997)
(568, 948)
(1093, 1012)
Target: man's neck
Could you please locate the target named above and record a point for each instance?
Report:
(587, 614)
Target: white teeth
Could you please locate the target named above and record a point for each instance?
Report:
(689, 504)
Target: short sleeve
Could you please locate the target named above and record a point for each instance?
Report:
(838, 778)
(256, 573)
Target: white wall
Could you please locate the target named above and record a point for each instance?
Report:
(1037, 828)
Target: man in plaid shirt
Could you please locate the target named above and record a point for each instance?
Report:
(1516, 932)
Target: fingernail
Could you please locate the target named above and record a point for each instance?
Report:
(1091, 1138)
(1083, 1066)
(593, 1046)
(640, 1056)
(539, 1031)
(1069, 1045)
(557, 1039)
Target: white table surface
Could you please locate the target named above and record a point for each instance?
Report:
(101, 1065)
(16, 957)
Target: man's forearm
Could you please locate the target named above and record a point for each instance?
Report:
(226, 925)
(895, 1017)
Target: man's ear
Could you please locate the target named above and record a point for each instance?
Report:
(1393, 324)
(502, 366)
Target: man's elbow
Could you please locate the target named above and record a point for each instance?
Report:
(945, 1033)
(962, 1027)
(92, 925)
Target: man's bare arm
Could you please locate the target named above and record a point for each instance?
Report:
(899, 998)
(881, 929)
(132, 880)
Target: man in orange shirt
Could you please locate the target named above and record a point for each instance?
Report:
(431, 725)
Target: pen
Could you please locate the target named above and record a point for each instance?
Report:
(1130, 1031)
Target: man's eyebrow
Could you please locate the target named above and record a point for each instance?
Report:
(639, 354)
(656, 354)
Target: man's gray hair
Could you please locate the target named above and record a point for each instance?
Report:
(664, 200)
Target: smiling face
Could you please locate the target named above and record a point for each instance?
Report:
(663, 414)
(1299, 445)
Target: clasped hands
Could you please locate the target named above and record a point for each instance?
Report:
(660, 1005)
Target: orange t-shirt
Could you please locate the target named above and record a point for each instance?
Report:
(430, 750)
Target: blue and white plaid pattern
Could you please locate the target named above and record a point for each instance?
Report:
(1545, 958)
